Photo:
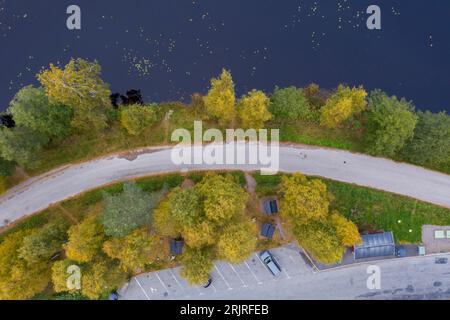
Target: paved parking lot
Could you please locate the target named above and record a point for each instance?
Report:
(408, 278)
(168, 284)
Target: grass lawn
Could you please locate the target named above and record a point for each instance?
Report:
(374, 210)
(312, 134)
(27, 223)
(267, 185)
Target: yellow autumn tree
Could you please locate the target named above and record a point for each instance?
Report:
(237, 242)
(220, 100)
(135, 250)
(253, 110)
(320, 240)
(222, 198)
(197, 265)
(346, 230)
(25, 281)
(101, 277)
(199, 213)
(343, 104)
(304, 199)
(60, 275)
(136, 118)
(78, 85)
(185, 207)
(85, 240)
(181, 214)
(210, 218)
(202, 234)
(20, 280)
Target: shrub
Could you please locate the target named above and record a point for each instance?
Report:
(136, 118)
(290, 104)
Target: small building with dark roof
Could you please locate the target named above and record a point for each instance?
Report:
(268, 230)
(375, 245)
(270, 206)
(176, 247)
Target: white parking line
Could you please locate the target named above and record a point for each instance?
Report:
(140, 286)
(232, 268)
(254, 275)
(287, 274)
(162, 282)
(223, 278)
(179, 284)
(176, 280)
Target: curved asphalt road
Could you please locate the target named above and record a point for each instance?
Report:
(40, 192)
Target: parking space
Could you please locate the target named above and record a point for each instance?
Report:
(259, 269)
(171, 283)
(134, 291)
(227, 275)
(247, 274)
(291, 261)
(152, 287)
(168, 284)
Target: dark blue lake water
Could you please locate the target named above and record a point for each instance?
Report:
(171, 48)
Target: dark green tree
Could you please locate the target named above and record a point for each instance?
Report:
(21, 145)
(289, 103)
(31, 108)
(129, 210)
(390, 123)
(431, 142)
(6, 167)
